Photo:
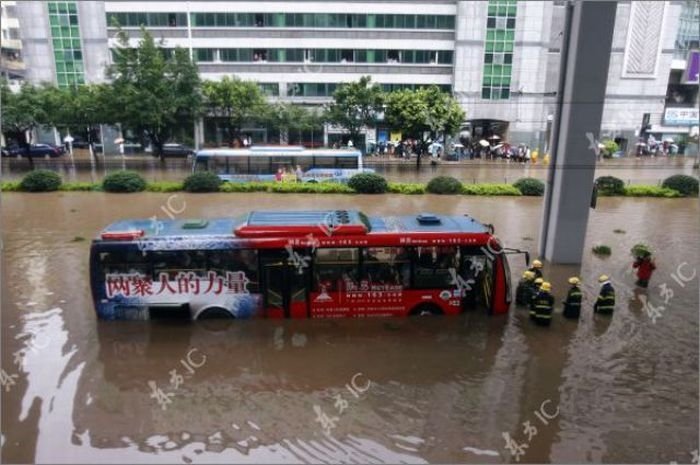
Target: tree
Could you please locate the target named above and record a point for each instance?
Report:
(22, 113)
(237, 102)
(288, 118)
(154, 93)
(423, 110)
(355, 105)
(80, 110)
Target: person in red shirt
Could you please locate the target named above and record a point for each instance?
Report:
(645, 267)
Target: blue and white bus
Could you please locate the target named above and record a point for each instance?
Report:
(262, 163)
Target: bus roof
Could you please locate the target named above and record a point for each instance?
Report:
(286, 151)
(282, 224)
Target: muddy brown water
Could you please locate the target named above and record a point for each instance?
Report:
(450, 389)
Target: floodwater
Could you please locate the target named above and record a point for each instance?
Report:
(631, 170)
(618, 389)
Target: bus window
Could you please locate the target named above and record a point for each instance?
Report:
(347, 163)
(201, 164)
(261, 165)
(387, 266)
(336, 269)
(324, 162)
(223, 261)
(129, 261)
(172, 262)
(306, 163)
(220, 165)
(435, 267)
(238, 165)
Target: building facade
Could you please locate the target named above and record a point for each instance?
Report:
(11, 64)
(500, 58)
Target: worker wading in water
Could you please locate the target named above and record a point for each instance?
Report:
(572, 303)
(543, 304)
(605, 303)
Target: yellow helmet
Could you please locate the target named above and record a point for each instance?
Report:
(539, 281)
(528, 275)
(574, 280)
(546, 286)
(603, 278)
(537, 264)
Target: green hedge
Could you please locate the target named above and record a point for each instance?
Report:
(686, 185)
(165, 186)
(10, 186)
(650, 191)
(530, 186)
(310, 188)
(80, 186)
(610, 185)
(41, 181)
(205, 181)
(368, 183)
(490, 189)
(408, 188)
(336, 188)
(124, 181)
(444, 185)
(245, 187)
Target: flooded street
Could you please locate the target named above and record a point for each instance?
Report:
(620, 389)
(631, 170)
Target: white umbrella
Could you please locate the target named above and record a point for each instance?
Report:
(495, 137)
(483, 143)
(119, 140)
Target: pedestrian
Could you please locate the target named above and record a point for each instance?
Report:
(572, 303)
(279, 174)
(350, 143)
(536, 268)
(299, 173)
(645, 267)
(526, 286)
(605, 303)
(542, 305)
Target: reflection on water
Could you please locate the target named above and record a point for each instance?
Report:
(440, 390)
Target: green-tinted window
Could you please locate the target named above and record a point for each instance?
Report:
(65, 38)
(204, 54)
(498, 49)
(163, 19)
(307, 20)
(269, 88)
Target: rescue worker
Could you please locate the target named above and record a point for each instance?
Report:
(523, 293)
(605, 303)
(572, 303)
(533, 295)
(543, 304)
(536, 268)
(645, 267)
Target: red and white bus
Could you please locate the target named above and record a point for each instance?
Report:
(299, 264)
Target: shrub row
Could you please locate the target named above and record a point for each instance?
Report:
(365, 183)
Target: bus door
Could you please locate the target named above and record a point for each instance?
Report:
(476, 272)
(285, 279)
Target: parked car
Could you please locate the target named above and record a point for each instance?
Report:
(36, 150)
(176, 150)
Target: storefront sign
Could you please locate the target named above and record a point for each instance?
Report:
(681, 116)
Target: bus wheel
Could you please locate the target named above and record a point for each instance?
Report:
(215, 313)
(426, 310)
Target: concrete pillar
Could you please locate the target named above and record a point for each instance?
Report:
(581, 95)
